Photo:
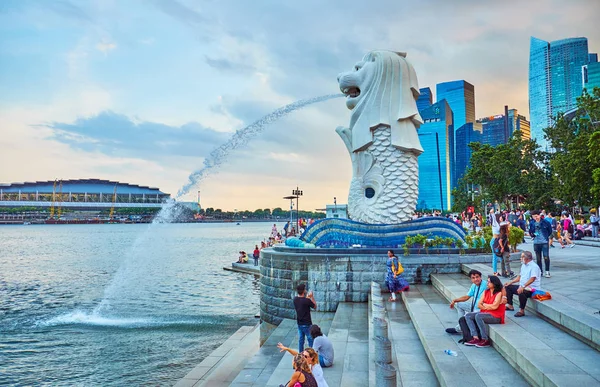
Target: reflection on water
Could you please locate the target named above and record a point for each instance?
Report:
(87, 305)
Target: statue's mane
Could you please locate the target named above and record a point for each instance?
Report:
(390, 100)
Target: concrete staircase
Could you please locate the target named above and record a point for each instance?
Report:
(540, 352)
(430, 315)
(588, 241)
(224, 363)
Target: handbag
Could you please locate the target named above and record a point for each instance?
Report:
(400, 269)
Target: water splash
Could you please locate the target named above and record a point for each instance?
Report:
(241, 137)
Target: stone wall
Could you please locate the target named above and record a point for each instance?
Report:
(342, 275)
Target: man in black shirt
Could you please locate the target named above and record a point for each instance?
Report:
(303, 303)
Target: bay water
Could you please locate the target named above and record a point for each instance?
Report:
(122, 304)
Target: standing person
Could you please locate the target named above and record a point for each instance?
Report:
(595, 221)
(462, 303)
(522, 225)
(540, 231)
(505, 248)
(274, 230)
(285, 228)
(492, 312)
(568, 229)
(493, 221)
(550, 219)
(303, 303)
(256, 255)
(393, 279)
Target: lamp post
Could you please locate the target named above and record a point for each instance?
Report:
(291, 199)
(297, 193)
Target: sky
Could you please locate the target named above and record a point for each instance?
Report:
(141, 91)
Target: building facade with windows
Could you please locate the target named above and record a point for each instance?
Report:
(436, 162)
(460, 95)
(466, 134)
(425, 99)
(555, 80)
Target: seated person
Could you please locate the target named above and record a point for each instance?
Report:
(301, 373)
(322, 345)
(468, 303)
(492, 312)
(528, 278)
(312, 359)
(243, 257)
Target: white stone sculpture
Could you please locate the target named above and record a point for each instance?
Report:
(382, 139)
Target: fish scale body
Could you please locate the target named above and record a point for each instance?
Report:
(397, 175)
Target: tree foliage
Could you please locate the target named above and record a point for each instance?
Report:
(569, 171)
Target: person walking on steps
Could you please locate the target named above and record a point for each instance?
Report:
(393, 279)
(303, 303)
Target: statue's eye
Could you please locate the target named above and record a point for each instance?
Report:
(369, 192)
(357, 67)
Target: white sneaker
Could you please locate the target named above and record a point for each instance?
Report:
(547, 275)
(572, 245)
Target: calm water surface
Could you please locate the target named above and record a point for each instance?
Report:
(119, 304)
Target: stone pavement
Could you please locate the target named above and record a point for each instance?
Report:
(574, 273)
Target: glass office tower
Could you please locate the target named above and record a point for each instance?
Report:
(466, 134)
(460, 95)
(555, 80)
(436, 162)
(425, 99)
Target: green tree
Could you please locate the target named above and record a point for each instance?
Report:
(573, 160)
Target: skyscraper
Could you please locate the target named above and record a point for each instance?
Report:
(555, 80)
(425, 98)
(497, 129)
(460, 95)
(466, 134)
(436, 161)
(591, 73)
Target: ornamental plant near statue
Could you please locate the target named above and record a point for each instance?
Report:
(515, 236)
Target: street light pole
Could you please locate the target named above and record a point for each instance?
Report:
(297, 193)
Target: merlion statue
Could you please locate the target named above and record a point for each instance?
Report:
(382, 139)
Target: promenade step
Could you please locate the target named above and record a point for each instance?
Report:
(431, 315)
(220, 367)
(588, 241)
(409, 356)
(542, 353)
(348, 333)
(258, 369)
(575, 318)
(278, 368)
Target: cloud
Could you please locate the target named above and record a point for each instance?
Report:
(68, 10)
(118, 135)
(224, 64)
(105, 47)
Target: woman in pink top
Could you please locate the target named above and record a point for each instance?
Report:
(492, 312)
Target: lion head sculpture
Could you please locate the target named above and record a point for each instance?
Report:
(382, 90)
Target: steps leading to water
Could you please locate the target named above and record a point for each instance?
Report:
(542, 353)
(349, 334)
(430, 315)
(259, 368)
(224, 363)
(283, 371)
(576, 319)
(588, 241)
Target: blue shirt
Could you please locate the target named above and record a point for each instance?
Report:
(476, 295)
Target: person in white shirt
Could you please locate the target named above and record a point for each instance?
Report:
(528, 280)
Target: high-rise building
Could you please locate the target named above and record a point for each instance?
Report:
(436, 162)
(466, 134)
(555, 80)
(497, 129)
(591, 76)
(460, 95)
(425, 99)
(592, 57)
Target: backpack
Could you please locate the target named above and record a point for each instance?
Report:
(496, 248)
